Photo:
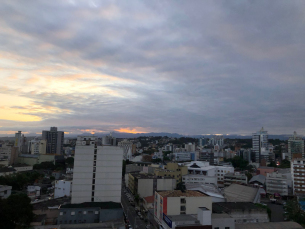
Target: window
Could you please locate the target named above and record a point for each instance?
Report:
(227, 227)
(60, 213)
(90, 212)
(96, 212)
(182, 208)
(85, 212)
(72, 213)
(79, 212)
(70, 221)
(216, 227)
(183, 201)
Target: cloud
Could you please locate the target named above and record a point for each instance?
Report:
(206, 67)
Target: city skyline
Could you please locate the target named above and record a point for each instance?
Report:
(140, 67)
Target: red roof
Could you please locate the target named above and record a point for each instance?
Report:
(149, 199)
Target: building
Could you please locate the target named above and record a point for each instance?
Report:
(258, 180)
(182, 156)
(19, 141)
(6, 151)
(242, 193)
(204, 168)
(97, 174)
(243, 213)
(264, 170)
(270, 225)
(4, 171)
(37, 146)
(145, 184)
(202, 142)
(199, 179)
(207, 156)
(22, 168)
(208, 189)
(62, 188)
(190, 147)
(89, 212)
(298, 176)
(109, 140)
(235, 178)
(260, 145)
(222, 221)
(5, 191)
(172, 169)
(175, 207)
(54, 139)
(279, 183)
(32, 159)
(127, 148)
(295, 147)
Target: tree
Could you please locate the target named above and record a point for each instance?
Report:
(16, 212)
(70, 161)
(284, 164)
(272, 164)
(52, 178)
(295, 211)
(238, 162)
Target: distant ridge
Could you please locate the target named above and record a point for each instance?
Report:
(162, 134)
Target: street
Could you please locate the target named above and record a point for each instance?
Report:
(134, 219)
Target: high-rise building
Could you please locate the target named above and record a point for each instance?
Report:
(260, 145)
(97, 174)
(55, 140)
(109, 140)
(202, 141)
(295, 147)
(298, 176)
(19, 140)
(127, 147)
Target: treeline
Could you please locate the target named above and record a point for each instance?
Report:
(19, 180)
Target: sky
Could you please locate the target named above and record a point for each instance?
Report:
(187, 67)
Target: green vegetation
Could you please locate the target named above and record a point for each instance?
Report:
(70, 161)
(47, 165)
(16, 212)
(156, 160)
(295, 212)
(238, 162)
(19, 180)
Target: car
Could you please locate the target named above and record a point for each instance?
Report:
(147, 226)
(141, 217)
(139, 213)
(129, 227)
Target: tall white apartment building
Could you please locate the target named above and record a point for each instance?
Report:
(97, 172)
(279, 182)
(260, 145)
(298, 176)
(295, 146)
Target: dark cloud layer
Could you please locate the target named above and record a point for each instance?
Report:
(194, 67)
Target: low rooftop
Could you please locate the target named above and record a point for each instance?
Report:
(148, 176)
(179, 193)
(7, 169)
(227, 207)
(270, 225)
(102, 205)
(240, 193)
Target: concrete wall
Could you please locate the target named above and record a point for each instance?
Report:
(145, 187)
(193, 203)
(110, 214)
(173, 206)
(166, 184)
(81, 215)
(62, 188)
(222, 221)
(250, 216)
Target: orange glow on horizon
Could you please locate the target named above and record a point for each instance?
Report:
(136, 130)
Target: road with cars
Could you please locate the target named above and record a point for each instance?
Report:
(135, 219)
